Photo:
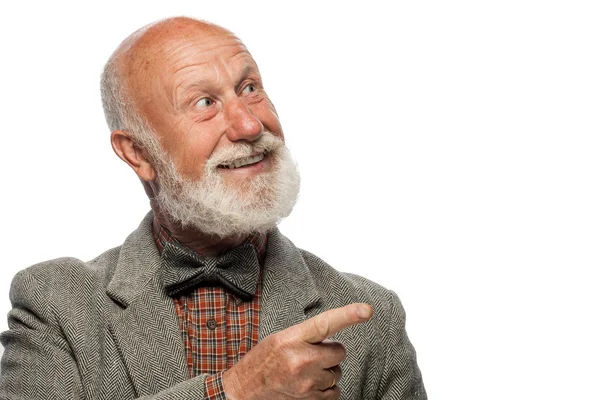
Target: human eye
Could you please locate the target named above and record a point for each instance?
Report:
(204, 102)
(249, 88)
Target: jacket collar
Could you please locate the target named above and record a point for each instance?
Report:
(289, 289)
(143, 320)
(139, 262)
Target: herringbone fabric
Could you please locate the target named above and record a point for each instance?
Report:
(106, 329)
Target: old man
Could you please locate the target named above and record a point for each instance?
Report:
(206, 299)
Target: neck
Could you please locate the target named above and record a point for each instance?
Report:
(200, 242)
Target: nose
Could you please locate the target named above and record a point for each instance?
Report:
(243, 125)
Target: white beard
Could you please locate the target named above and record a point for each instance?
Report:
(213, 207)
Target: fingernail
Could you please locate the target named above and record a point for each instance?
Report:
(364, 311)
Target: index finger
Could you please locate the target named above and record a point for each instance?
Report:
(328, 323)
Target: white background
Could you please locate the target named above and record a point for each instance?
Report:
(449, 150)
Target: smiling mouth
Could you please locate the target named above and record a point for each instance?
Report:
(243, 162)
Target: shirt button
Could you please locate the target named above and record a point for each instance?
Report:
(211, 324)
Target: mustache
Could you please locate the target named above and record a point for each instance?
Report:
(267, 143)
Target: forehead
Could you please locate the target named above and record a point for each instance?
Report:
(203, 49)
(206, 57)
(175, 61)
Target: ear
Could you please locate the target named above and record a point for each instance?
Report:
(136, 158)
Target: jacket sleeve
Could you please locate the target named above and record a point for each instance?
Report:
(38, 363)
(401, 378)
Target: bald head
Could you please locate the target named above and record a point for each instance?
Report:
(135, 59)
(153, 41)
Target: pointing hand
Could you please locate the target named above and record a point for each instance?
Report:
(298, 362)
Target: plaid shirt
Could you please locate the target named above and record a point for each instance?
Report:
(217, 327)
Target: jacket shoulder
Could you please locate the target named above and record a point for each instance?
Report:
(63, 278)
(346, 287)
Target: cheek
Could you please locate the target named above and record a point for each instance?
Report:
(194, 158)
(194, 148)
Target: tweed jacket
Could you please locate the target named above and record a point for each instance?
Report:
(105, 329)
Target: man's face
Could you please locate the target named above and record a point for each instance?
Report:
(221, 164)
(203, 93)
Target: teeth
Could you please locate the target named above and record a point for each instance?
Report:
(245, 161)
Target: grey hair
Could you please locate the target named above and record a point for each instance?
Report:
(117, 110)
(120, 111)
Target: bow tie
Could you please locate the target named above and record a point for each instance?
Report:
(237, 270)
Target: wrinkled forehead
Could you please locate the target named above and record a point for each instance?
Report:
(170, 48)
(167, 57)
(205, 51)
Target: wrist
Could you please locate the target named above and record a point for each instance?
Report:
(232, 385)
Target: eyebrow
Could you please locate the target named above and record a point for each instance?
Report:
(208, 85)
(202, 84)
(248, 70)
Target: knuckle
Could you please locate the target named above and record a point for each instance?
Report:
(296, 364)
(321, 325)
(279, 341)
(305, 387)
(337, 351)
(341, 349)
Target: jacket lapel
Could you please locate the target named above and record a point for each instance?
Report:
(289, 293)
(143, 322)
(142, 319)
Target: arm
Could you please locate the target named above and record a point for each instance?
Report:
(401, 378)
(38, 362)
